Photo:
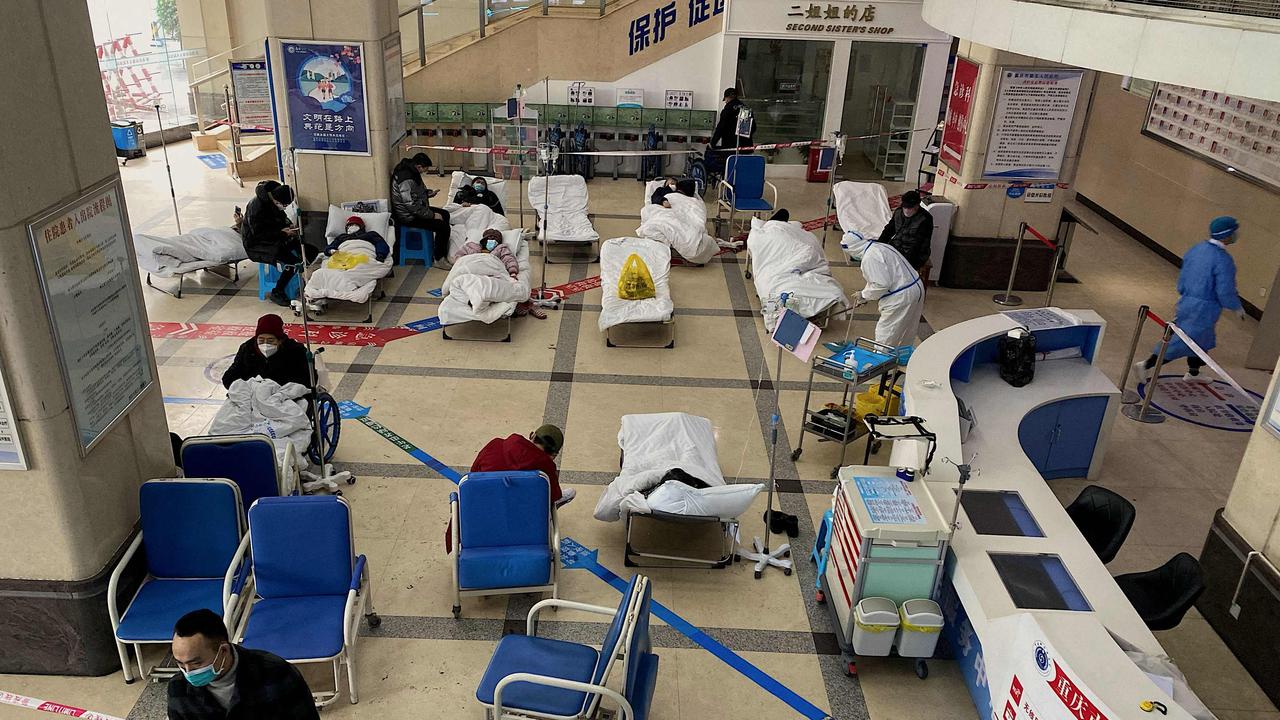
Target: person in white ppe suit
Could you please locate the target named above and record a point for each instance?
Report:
(893, 282)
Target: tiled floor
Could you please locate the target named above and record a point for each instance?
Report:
(450, 397)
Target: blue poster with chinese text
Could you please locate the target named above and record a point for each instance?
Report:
(328, 109)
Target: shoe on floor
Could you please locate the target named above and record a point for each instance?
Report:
(1198, 378)
(566, 495)
(279, 298)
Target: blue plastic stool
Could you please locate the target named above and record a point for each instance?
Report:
(415, 243)
(267, 277)
(821, 550)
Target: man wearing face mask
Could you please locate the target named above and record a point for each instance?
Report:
(910, 230)
(270, 354)
(224, 682)
(478, 193)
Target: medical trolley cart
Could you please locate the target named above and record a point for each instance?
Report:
(887, 540)
(856, 365)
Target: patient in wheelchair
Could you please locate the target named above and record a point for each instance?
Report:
(355, 230)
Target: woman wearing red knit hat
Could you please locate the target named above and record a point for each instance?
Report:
(270, 354)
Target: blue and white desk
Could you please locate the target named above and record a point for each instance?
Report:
(1057, 426)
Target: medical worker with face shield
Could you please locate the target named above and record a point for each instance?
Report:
(1206, 287)
(893, 283)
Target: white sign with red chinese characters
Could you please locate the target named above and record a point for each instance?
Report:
(887, 20)
(1043, 686)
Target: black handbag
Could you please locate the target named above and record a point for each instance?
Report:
(1016, 354)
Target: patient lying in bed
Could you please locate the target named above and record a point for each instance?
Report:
(355, 230)
(491, 242)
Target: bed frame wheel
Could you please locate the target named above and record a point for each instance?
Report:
(922, 668)
(758, 574)
(851, 669)
(373, 619)
(819, 597)
(748, 274)
(337, 493)
(351, 480)
(457, 612)
(795, 454)
(786, 571)
(609, 343)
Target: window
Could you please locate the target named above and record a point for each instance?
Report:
(784, 82)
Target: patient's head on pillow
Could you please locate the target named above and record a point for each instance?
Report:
(490, 240)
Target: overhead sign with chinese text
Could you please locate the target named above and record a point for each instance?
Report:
(964, 83)
(328, 108)
(630, 97)
(85, 265)
(891, 20)
(651, 28)
(251, 93)
(679, 100)
(1031, 124)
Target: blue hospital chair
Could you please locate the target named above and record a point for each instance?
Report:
(505, 538)
(249, 461)
(743, 186)
(309, 586)
(191, 530)
(554, 679)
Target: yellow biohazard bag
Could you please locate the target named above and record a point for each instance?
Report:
(635, 282)
(345, 260)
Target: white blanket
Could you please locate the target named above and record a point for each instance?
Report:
(652, 445)
(614, 310)
(862, 208)
(786, 258)
(261, 406)
(469, 223)
(480, 288)
(355, 284)
(199, 248)
(561, 205)
(683, 226)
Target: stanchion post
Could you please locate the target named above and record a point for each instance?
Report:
(1144, 413)
(1053, 276)
(1007, 297)
(1127, 396)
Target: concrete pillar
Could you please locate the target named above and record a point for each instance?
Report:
(325, 179)
(68, 517)
(979, 254)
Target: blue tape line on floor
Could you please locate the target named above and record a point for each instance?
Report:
(351, 410)
(193, 401)
(575, 555)
(425, 325)
(414, 451)
(436, 293)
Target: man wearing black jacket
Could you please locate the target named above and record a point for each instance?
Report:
(725, 136)
(910, 231)
(270, 354)
(222, 681)
(410, 202)
(269, 237)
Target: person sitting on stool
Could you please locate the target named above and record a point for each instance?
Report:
(270, 354)
(220, 680)
(271, 238)
(910, 231)
(410, 202)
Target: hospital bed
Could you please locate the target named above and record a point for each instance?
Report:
(636, 323)
(561, 204)
(683, 226)
(861, 208)
(651, 446)
(791, 269)
(478, 296)
(330, 287)
(218, 250)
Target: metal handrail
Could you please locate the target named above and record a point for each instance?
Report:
(1246, 8)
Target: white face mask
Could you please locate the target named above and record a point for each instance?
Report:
(268, 349)
(353, 229)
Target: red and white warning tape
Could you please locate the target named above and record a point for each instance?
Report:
(8, 698)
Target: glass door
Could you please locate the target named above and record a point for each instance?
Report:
(784, 82)
(880, 101)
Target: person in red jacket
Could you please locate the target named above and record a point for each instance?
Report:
(538, 451)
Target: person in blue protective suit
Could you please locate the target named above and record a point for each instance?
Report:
(1206, 286)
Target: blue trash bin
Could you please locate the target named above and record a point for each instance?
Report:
(127, 136)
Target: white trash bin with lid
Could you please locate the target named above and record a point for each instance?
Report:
(875, 622)
(921, 624)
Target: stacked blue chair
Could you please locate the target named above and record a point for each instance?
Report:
(742, 189)
(414, 243)
(310, 588)
(545, 678)
(247, 460)
(191, 532)
(504, 535)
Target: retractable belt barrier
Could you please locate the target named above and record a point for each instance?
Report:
(8, 698)
(1007, 297)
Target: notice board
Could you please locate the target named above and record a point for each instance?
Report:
(1031, 124)
(1236, 134)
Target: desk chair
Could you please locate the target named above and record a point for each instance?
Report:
(1162, 596)
(186, 570)
(1104, 518)
(505, 538)
(543, 678)
(309, 586)
(742, 189)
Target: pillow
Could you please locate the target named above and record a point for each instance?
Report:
(498, 186)
(510, 237)
(379, 222)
